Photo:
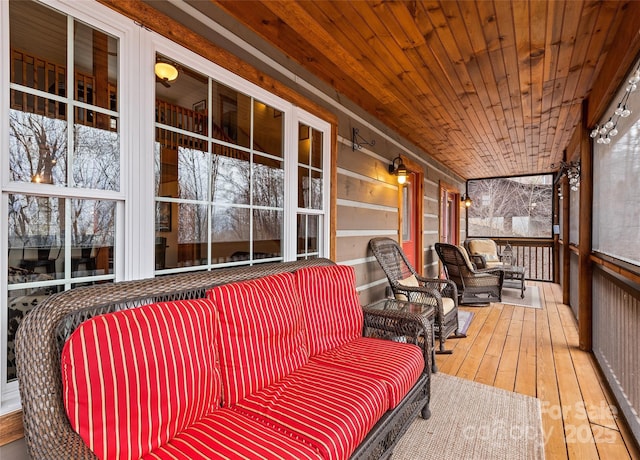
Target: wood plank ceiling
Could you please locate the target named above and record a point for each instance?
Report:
(490, 88)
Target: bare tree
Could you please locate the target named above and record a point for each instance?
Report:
(516, 207)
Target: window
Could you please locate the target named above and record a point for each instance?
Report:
(616, 171)
(98, 165)
(62, 186)
(311, 194)
(220, 166)
(519, 207)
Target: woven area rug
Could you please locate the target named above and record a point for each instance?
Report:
(531, 297)
(474, 421)
(464, 320)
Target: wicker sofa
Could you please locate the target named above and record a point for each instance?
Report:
(285, 371)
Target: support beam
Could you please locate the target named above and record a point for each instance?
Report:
(585, 269)
(566, 250)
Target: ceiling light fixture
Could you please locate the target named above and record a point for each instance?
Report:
(400, 170)
(165, 71)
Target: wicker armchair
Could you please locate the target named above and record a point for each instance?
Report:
(475, 287)
(484, 253)
(407, 284)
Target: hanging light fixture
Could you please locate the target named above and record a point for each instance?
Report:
(165, 71)
(400, 170)
(571, 169)
(603, 134)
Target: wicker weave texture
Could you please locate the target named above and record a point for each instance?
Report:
(430, 291)
(47, 430)
(43, 331)
(474, 286)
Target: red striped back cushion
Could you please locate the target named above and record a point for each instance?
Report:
(134, 379)
(261, 334)
(331, 307)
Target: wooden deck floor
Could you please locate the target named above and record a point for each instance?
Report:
(535, 352)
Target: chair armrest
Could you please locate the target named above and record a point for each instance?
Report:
(478, 260)
(422, 295)
(445, 287)
(417, 328)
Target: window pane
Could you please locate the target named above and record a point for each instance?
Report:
(182, 103)
(231, 177)
(267, 129)
(183, 171)
(38, 58)
(316, 148)
(96, 72)
(268, 182)
(308, 234)
(231, 115)
(230, 234)
(181, 235)
(267, 233)
(96, 162)
(511, 207)
(36, 236)
(304, 144)
(93, 226)
(37, 148)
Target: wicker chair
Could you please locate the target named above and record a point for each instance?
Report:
(475, 287)
(407, 284)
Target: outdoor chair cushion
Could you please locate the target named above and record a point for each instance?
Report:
(332, 310)
(486, 248)
(226, 433)
(398, 365)
(333, 409)
(409, 281)
(465, 254)
(448, 303)
(135, 378)
(262, 334)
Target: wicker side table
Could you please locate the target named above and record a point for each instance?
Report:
(406, 321)
(514, 274)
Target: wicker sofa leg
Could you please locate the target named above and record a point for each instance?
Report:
(426, 412)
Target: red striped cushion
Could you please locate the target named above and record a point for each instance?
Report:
(134, 378)
(229, 434)
(332, 408)
(331, 307)
(398, 365)
(261, 334)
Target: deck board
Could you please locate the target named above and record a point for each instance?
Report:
(535, 352)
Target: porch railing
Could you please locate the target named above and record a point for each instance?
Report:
(535, 255)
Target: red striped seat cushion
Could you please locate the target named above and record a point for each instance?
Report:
(261, 334)
(134, 379)
(398, 365)
(228, 434)
(333, 409)
(331, 307)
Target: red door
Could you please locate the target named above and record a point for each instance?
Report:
(409, 235)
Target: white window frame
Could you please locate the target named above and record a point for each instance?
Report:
(293, 115)
(135, 219)
(104, 19)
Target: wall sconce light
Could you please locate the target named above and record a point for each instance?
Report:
(466, 200)
(166, 72)
(400, 170)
